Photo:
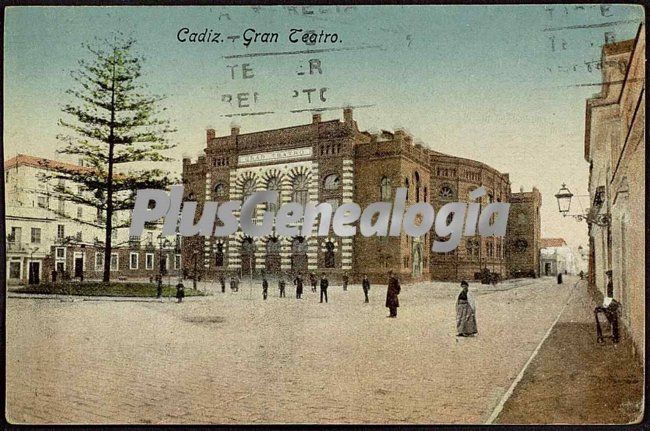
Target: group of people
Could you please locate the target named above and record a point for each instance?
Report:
(465, 305)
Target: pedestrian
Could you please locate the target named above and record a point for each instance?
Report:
(180, 291)
(465, 312)
(282, 285)
(265, 287)
(582, 275)
(394, 288)
(159, 286)
(366, 286)
(233, 284)
(345, 281)
(222, 280)
(313, 281)
(559, 278)
(324, 283)
(298, 283)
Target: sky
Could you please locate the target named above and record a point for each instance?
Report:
(505, 85)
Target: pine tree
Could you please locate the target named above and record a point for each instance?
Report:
(112, 121)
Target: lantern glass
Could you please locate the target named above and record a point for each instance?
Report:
(564, 199)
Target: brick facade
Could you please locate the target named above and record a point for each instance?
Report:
(333, 161)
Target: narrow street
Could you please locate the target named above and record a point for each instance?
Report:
(230, 359)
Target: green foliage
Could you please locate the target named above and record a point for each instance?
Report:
(116, 127)
(103, 289)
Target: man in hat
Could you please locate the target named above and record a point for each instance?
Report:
(324, 283)
(298, 283)
(366, 286)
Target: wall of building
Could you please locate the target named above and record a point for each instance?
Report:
(524, 234)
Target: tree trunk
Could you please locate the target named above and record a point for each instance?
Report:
(109, 185)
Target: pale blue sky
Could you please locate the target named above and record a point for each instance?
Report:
(476, 81)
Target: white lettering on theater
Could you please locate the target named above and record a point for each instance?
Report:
(274, 156)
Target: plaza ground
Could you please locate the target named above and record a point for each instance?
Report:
(232, 357)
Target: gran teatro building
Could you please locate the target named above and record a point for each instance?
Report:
(333, 161)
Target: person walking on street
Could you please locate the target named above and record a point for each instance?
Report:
(324, 283)
(366, 286)
(559, 278)
(222, 280)
(313, 281)
(233, 284)
(345, 281)
(465, 312)
(394, 288)
(265, 287)
(298, 283)
(282, 285)
(180, 291)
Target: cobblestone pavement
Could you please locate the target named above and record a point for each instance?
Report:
(234, 359)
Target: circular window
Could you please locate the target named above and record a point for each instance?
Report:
(331, 182)
(446, 192)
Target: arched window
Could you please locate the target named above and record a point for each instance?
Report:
(300, 189)
(406, 184)
(218, 255)
(273, 185)
(329, 255)
(331, 182)
(417, 186)
(248, 189)
(219, 190)
(384, 190)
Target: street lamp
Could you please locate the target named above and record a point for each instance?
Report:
(564, 197)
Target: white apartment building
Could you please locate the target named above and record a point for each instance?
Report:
(33, 226)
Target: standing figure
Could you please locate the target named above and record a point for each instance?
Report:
(465, 312)
(366, 286)
(298, 282)
(559, 278)
(180, 291)
(345, 281)
(313, 281)
(281, 285)
(265, 287)
(222, 280)
(324, 283)
(394, 288)
(233, 284)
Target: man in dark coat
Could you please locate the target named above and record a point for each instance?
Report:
(282, 284)
(313, 281)
(345, 281)
(324, 283)
(180, 291)
(366, 286)
(394, 288)
(265, 287)
(222, 280)
(298, 282)
(559, 278)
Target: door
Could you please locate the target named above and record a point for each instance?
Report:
(417, 261)
(34, 272)
(547, 268)
(14, 270)
(78, 266)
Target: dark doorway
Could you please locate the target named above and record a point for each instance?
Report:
(34, 270)
(78, 266)
(547, 268)
(272, 262)
(247, 256)
(299, 255)
(329, 255)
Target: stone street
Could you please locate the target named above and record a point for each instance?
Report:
(235, 358)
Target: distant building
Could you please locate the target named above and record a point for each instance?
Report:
(333, 161)
(615, 150)
(556, 257)
(39, 226)
(524, 234)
